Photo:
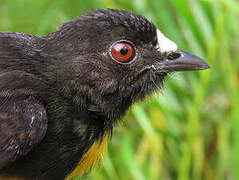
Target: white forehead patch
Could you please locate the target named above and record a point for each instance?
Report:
(165, 45)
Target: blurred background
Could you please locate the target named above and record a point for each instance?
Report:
(190, 129)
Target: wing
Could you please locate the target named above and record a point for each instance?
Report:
(23, 124)
(23, 119)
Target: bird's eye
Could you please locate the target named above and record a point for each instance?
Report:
(123, 52)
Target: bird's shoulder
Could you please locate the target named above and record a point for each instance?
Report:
(23, 123)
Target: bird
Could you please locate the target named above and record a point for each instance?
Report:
(62, 94)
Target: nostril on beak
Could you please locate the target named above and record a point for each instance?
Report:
(183, 61)
(174, 55)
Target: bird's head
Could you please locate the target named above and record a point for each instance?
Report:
(116, 57)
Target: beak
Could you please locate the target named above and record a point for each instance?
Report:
(183, 61)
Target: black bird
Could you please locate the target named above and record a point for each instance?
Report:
(62, 94)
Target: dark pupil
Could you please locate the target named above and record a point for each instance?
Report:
(124, 51)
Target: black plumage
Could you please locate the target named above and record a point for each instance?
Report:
(61, 92)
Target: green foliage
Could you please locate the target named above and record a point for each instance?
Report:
(190, 130)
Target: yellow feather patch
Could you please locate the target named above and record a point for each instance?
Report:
(90, 158)
(9, 178)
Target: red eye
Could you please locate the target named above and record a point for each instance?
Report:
(123, 52)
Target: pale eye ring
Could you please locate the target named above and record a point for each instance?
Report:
(123, 52)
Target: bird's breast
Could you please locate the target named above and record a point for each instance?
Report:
(91, 157)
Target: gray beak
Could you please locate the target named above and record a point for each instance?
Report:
(183, 61)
